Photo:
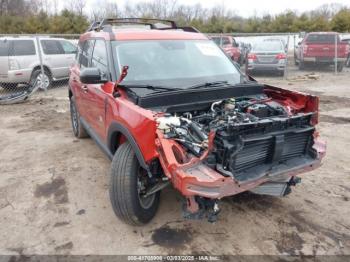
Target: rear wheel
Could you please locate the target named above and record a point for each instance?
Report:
(128, 184)
(78, 129)
(340, 67)
(41, 80)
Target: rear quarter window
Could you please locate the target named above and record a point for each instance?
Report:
(68, 47)
(4, 48)
(85, 57)
(22, 48)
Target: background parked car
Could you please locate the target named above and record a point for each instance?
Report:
(318, 48)
(230, 46)
(268, 55)
(20, 63)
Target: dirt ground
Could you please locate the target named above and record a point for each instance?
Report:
(54, 191)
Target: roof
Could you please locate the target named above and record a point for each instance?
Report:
(143, 34)
(31, 38)
(135, 28)
(324, 33)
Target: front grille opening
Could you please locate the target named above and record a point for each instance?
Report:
(257, 153)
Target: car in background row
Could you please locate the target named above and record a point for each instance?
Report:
(20, 62)
(245, 49)
(268, 55)
(230, 46)
(318, 48)
(347, 40)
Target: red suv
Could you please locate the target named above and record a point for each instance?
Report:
(168, 107)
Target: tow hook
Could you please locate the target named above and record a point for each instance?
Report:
(294, 181)
(204, 208)
(213, 214)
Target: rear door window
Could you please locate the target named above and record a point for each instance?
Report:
(99, 58)
(85, 57)
(22, 48)
(52, 47)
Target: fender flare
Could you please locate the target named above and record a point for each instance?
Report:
(120, 128)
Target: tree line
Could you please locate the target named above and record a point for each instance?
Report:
(48, 16)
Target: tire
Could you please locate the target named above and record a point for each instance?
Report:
(301, 65)
(295, 60)
(37, 76)
(347, 64)
(124, 191)
(340, 67)
(78, 129)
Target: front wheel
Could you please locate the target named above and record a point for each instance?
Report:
(296, 62)
(347, 64)
(128, 184)
(301, 65)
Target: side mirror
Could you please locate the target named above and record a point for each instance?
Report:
(92, 76)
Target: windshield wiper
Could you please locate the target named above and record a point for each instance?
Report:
(150, 87)
(208, 84)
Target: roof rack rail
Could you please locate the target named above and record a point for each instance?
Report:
(107, 23)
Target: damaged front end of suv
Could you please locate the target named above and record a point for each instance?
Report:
(258, 141)
(174, 109)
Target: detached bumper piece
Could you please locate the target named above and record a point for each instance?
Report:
(19, 97)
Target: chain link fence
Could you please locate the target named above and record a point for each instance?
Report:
(31, 64)
(34, 63)
(288, 55)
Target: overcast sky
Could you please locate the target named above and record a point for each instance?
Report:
(246, 7)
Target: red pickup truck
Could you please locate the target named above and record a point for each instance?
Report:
(318, 48)
(230, 46)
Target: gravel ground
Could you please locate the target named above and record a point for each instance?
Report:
(54, 191)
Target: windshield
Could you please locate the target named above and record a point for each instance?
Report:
(272, 46)
(322, 38)
(179, 63)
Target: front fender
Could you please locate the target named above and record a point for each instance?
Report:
(116, 127)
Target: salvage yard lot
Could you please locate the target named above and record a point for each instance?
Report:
(54, 191)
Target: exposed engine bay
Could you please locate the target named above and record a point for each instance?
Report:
(253, 135)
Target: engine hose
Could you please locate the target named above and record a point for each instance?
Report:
(201, 135)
